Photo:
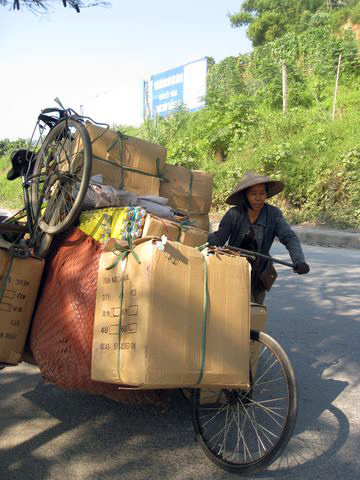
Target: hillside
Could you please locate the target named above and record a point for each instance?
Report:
(243, 127)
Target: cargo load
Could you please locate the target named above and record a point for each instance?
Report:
(168, 316)
(19, 283)
(125, 162)
(188, 191)
(62, 328)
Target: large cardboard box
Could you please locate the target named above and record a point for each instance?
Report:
(188, 191)
(125, 162)
(177, 318)
(17, 302)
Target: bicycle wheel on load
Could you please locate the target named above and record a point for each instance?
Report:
(244, 431)
(61, 176)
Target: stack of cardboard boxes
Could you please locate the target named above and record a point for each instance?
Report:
(167, 314)
(139, 167)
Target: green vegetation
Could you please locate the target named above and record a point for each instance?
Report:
(243, 126)
(10, 192)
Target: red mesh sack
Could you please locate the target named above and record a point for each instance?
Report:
(62, 329)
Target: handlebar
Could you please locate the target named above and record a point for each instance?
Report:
(267, 257)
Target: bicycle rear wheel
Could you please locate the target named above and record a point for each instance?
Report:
(61, 176)
(244, 431)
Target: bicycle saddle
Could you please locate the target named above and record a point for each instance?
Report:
(20, 160)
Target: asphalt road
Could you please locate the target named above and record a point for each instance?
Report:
(50, 434)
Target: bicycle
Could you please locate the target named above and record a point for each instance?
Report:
(244, 431)
(55, 173)
(241, 430)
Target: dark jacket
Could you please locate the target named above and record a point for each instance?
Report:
(270, 224)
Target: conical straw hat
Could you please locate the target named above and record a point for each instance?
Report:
(273, 187)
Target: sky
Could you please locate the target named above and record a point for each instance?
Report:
(100, 57)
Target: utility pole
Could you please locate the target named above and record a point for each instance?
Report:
(336, 87)
(284, 89)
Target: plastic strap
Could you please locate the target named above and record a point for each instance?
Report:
(6, 277)
(97, 226)
(203, 334)
(123, 253)
(120, 326)
(190, 192)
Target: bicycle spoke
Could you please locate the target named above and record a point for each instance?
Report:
(249, 427)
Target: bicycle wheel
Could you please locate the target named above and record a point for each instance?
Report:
(61, 176)
(244, 431)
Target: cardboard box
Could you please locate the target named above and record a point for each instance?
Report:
(125, 162)
(188, 191)
(198, 221)
(177, 318)
(17, 303)
(258, 317)
(130, 181)
(193, 237)
(157, 227)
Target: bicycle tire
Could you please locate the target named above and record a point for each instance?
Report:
(257, 445)
(60, 178)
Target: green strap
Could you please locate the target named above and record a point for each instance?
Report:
(203, 335)
(202, 247)
(97, 226)
(186, 224)
(123, 253)
(120, 326)
(190, 191)
(6, 277)
(120, 137)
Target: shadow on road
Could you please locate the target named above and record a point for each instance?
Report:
(49, 433)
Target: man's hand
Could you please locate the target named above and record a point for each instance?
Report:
(301, 268)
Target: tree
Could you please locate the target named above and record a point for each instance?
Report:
(43, 6)
(270, 19)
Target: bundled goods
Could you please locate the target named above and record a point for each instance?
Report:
(189, 191)
(125, 162)
(62, 330)
(19, 284)
(123, 223)
(168, 315)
